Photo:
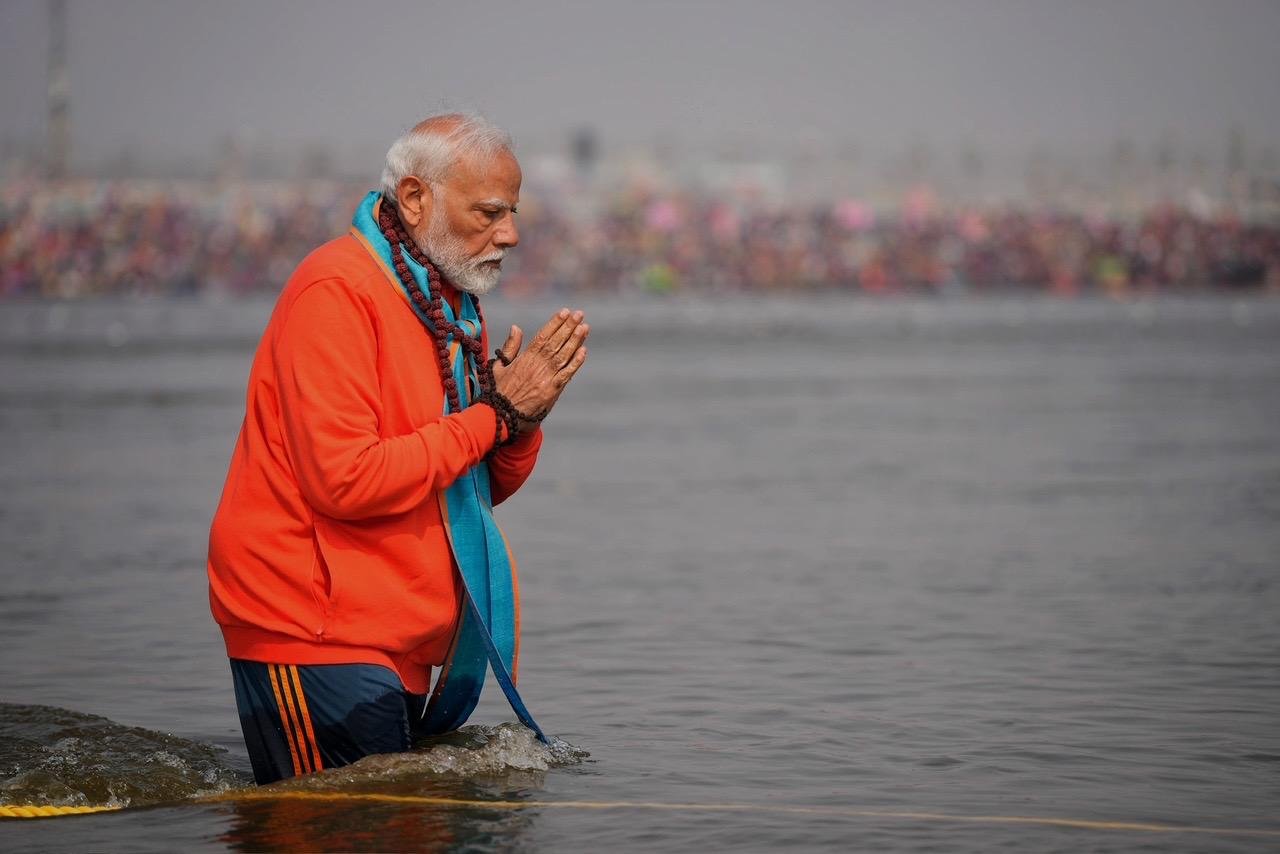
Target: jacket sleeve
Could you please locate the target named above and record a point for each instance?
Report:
(511, 466)
(325, 354)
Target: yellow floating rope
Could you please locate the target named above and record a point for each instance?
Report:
(35, 811)
(9, 811)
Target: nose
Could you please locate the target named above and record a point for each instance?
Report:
(506, 236)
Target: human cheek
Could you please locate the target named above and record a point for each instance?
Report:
(480, 243)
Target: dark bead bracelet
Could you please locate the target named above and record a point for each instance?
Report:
(508, 415)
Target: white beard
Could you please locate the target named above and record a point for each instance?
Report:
(445, 249)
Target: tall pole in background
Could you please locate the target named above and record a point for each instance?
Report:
(59, 91)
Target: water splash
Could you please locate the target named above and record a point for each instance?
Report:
(63, 758)
(475, 751)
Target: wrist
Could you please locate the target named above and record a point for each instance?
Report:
(526, 435)
(506, 419)
(501, 429)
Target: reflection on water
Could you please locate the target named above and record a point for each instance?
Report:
(306, 826)
(405, 821)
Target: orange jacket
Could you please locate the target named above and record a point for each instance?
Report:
(328, 545)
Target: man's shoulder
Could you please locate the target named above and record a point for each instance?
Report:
(342, 259)
(331, 280)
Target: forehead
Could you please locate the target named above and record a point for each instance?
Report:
(481, 177)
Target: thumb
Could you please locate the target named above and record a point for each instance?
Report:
(511, 347)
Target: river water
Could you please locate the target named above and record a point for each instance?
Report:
(868, 576)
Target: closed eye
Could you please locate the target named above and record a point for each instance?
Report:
(493, 208)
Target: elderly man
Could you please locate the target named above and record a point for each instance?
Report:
(354, 547)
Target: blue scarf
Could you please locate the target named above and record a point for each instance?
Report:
(488, 632)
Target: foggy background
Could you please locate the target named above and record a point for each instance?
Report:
(167, 84)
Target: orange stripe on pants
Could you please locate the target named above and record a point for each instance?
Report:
(306, 718)
(285, 719)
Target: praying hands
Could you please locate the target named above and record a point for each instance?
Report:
(534, 380)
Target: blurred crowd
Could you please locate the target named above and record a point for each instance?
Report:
(97, 238)
(90, 238)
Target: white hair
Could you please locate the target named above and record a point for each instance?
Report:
(431, 153)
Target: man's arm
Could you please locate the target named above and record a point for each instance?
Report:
(326, 357)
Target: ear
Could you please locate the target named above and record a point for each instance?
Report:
(413, 196)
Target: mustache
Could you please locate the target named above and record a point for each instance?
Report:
(492, 256)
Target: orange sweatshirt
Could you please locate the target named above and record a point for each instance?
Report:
(328, 545)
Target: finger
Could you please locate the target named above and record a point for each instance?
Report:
(511, 347)
(571, 345)
(561, 335)
(549, 328)
(566, 373)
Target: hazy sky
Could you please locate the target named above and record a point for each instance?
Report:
(174, 77)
